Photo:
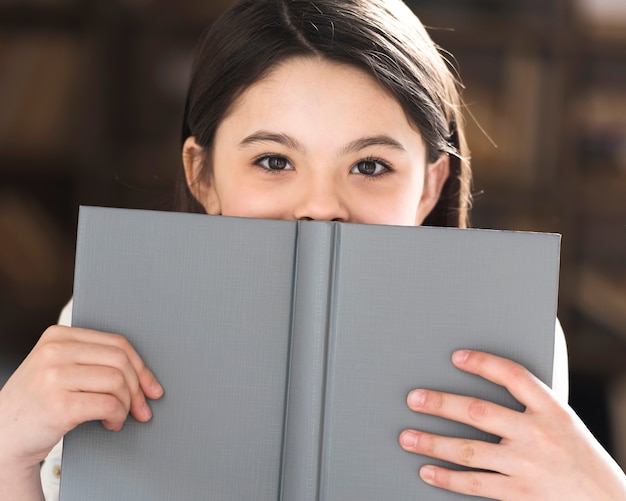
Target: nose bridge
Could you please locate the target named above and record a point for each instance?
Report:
(321, 199)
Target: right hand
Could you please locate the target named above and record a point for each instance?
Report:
(71, 376)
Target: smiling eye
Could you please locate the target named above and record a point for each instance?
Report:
(274, 163)
(370, 168)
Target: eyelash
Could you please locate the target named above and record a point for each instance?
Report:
(257, 162)
(370, 177)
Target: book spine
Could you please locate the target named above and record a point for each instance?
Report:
(302, 449)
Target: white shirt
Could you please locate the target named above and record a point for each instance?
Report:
(51, 467)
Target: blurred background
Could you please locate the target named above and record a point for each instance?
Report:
(91, 96)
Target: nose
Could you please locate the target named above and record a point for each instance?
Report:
(320, 201)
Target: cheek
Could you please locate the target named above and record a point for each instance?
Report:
(240, 192)
(243, 203)
(388, 214)
(246, 199)
(397, 206)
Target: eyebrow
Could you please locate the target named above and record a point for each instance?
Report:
(292, 143)
(366, 142)
(271, 137)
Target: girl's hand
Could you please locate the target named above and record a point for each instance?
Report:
(71, 376)
(546, 452)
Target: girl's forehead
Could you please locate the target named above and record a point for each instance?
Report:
(319, 102)
(315, 82)
(296, 68)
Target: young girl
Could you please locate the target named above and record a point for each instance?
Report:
(336, 110)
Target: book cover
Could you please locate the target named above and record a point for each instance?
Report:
(286, 349)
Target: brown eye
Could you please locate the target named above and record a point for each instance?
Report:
(370, 168)
(274, 163)
(277, 163)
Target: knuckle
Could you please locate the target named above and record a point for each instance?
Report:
(474, 483)
(144, 374)
(117, 380)
(120, 342)
(51, 332)
(119, 357)
(477, 409)
(434, 400)
(564, 415)
(426, 445)
(475, 359)
(50, 351)
(467, 451)
(517, 374)
(442, 478)
(113, 409)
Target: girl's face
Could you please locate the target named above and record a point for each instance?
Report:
(317, 140)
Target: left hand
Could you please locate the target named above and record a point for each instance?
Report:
(546, 451)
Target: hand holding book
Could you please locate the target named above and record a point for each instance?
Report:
(546, 452)
(71, 376)
(569, 460)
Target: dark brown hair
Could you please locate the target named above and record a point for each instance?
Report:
(381, 37)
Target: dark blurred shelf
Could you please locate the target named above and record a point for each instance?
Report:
(16, 165)
(63, 17)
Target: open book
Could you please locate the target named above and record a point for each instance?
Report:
(286, 349)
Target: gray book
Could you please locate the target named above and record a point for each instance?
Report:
(287, 349)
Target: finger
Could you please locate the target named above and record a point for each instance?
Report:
(109, 380)
(479, 414)
(91, 354)
(463, 452)
(147, 381)
(471, 483)
(519, 381)
(80, 407)
(93, 379)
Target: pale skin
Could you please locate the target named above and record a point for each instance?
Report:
(312, 140)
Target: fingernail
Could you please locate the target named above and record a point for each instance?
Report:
(157, 389)
(460, 356)
(417, 398)
(147, 412)
(409, 439)
(427, 473)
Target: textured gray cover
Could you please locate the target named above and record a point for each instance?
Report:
(290, 347)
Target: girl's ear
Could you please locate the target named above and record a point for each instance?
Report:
(201, 186)
(436, 175)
